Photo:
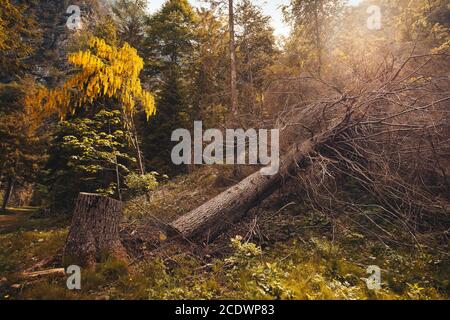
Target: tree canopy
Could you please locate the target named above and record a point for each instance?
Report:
(103, 71)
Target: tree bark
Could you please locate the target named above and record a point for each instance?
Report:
(138, 148)
(233, 89)
(44, 273)
(228, 207)
(222, 211)
(94, 233)
(8, 191)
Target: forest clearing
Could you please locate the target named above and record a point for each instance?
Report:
(196, 150)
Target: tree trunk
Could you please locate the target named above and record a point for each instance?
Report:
(94, 233)
(233, 77)
(138, 148)
(223, 210)
(44, 273)
(233, 89)
(231, 205)
(8, 192)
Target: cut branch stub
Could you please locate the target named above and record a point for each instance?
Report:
(94, 232)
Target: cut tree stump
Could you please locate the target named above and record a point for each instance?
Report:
(94, 232)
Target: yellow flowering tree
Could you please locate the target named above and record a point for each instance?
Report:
(104, 72)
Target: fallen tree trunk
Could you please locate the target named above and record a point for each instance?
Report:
(228, 207)
(94, 232)
(222, 211)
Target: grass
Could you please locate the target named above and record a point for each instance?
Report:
(294, 269)
(24, 241)
(179, 195)
(297, 254)
(289, 271)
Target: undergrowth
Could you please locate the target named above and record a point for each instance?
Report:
(295, 254)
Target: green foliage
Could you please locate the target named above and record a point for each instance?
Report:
(170, 53)
(22, 148)
(87, 154)
(173, 114)
(316, 269)
(18, 37)
(211, 69)
(243, 253)
(112, 269)
(298, 254)
(265, 278)
(313, 27)
(170, 35)
(420, 21)
(129, 16)
(138, 184)
(105, 28)
(256, 48)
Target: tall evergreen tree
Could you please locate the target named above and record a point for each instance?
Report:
(313, 22)
(129, 16)
(19, 36)
(211, 98)
(256, 53)
(22, 148)
(170, 50)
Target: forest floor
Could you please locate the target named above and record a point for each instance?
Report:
(285, 253)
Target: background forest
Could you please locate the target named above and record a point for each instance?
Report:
(89, 106)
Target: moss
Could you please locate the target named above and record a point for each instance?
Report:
(49, 290)
(286, 271)
(308, 260)
(112, 269)
(28, 241)
(177, 196)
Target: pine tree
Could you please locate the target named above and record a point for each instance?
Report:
(18, 38)
(170, 52)
(22, 148)
(129, 16)
(312, 22)
(256, 53)
(210, 99)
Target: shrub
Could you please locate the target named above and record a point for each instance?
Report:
(138, 185)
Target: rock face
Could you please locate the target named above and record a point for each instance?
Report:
(52, 16)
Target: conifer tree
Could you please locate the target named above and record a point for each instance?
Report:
(21, 146)
(129, 16)
(170, 55)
